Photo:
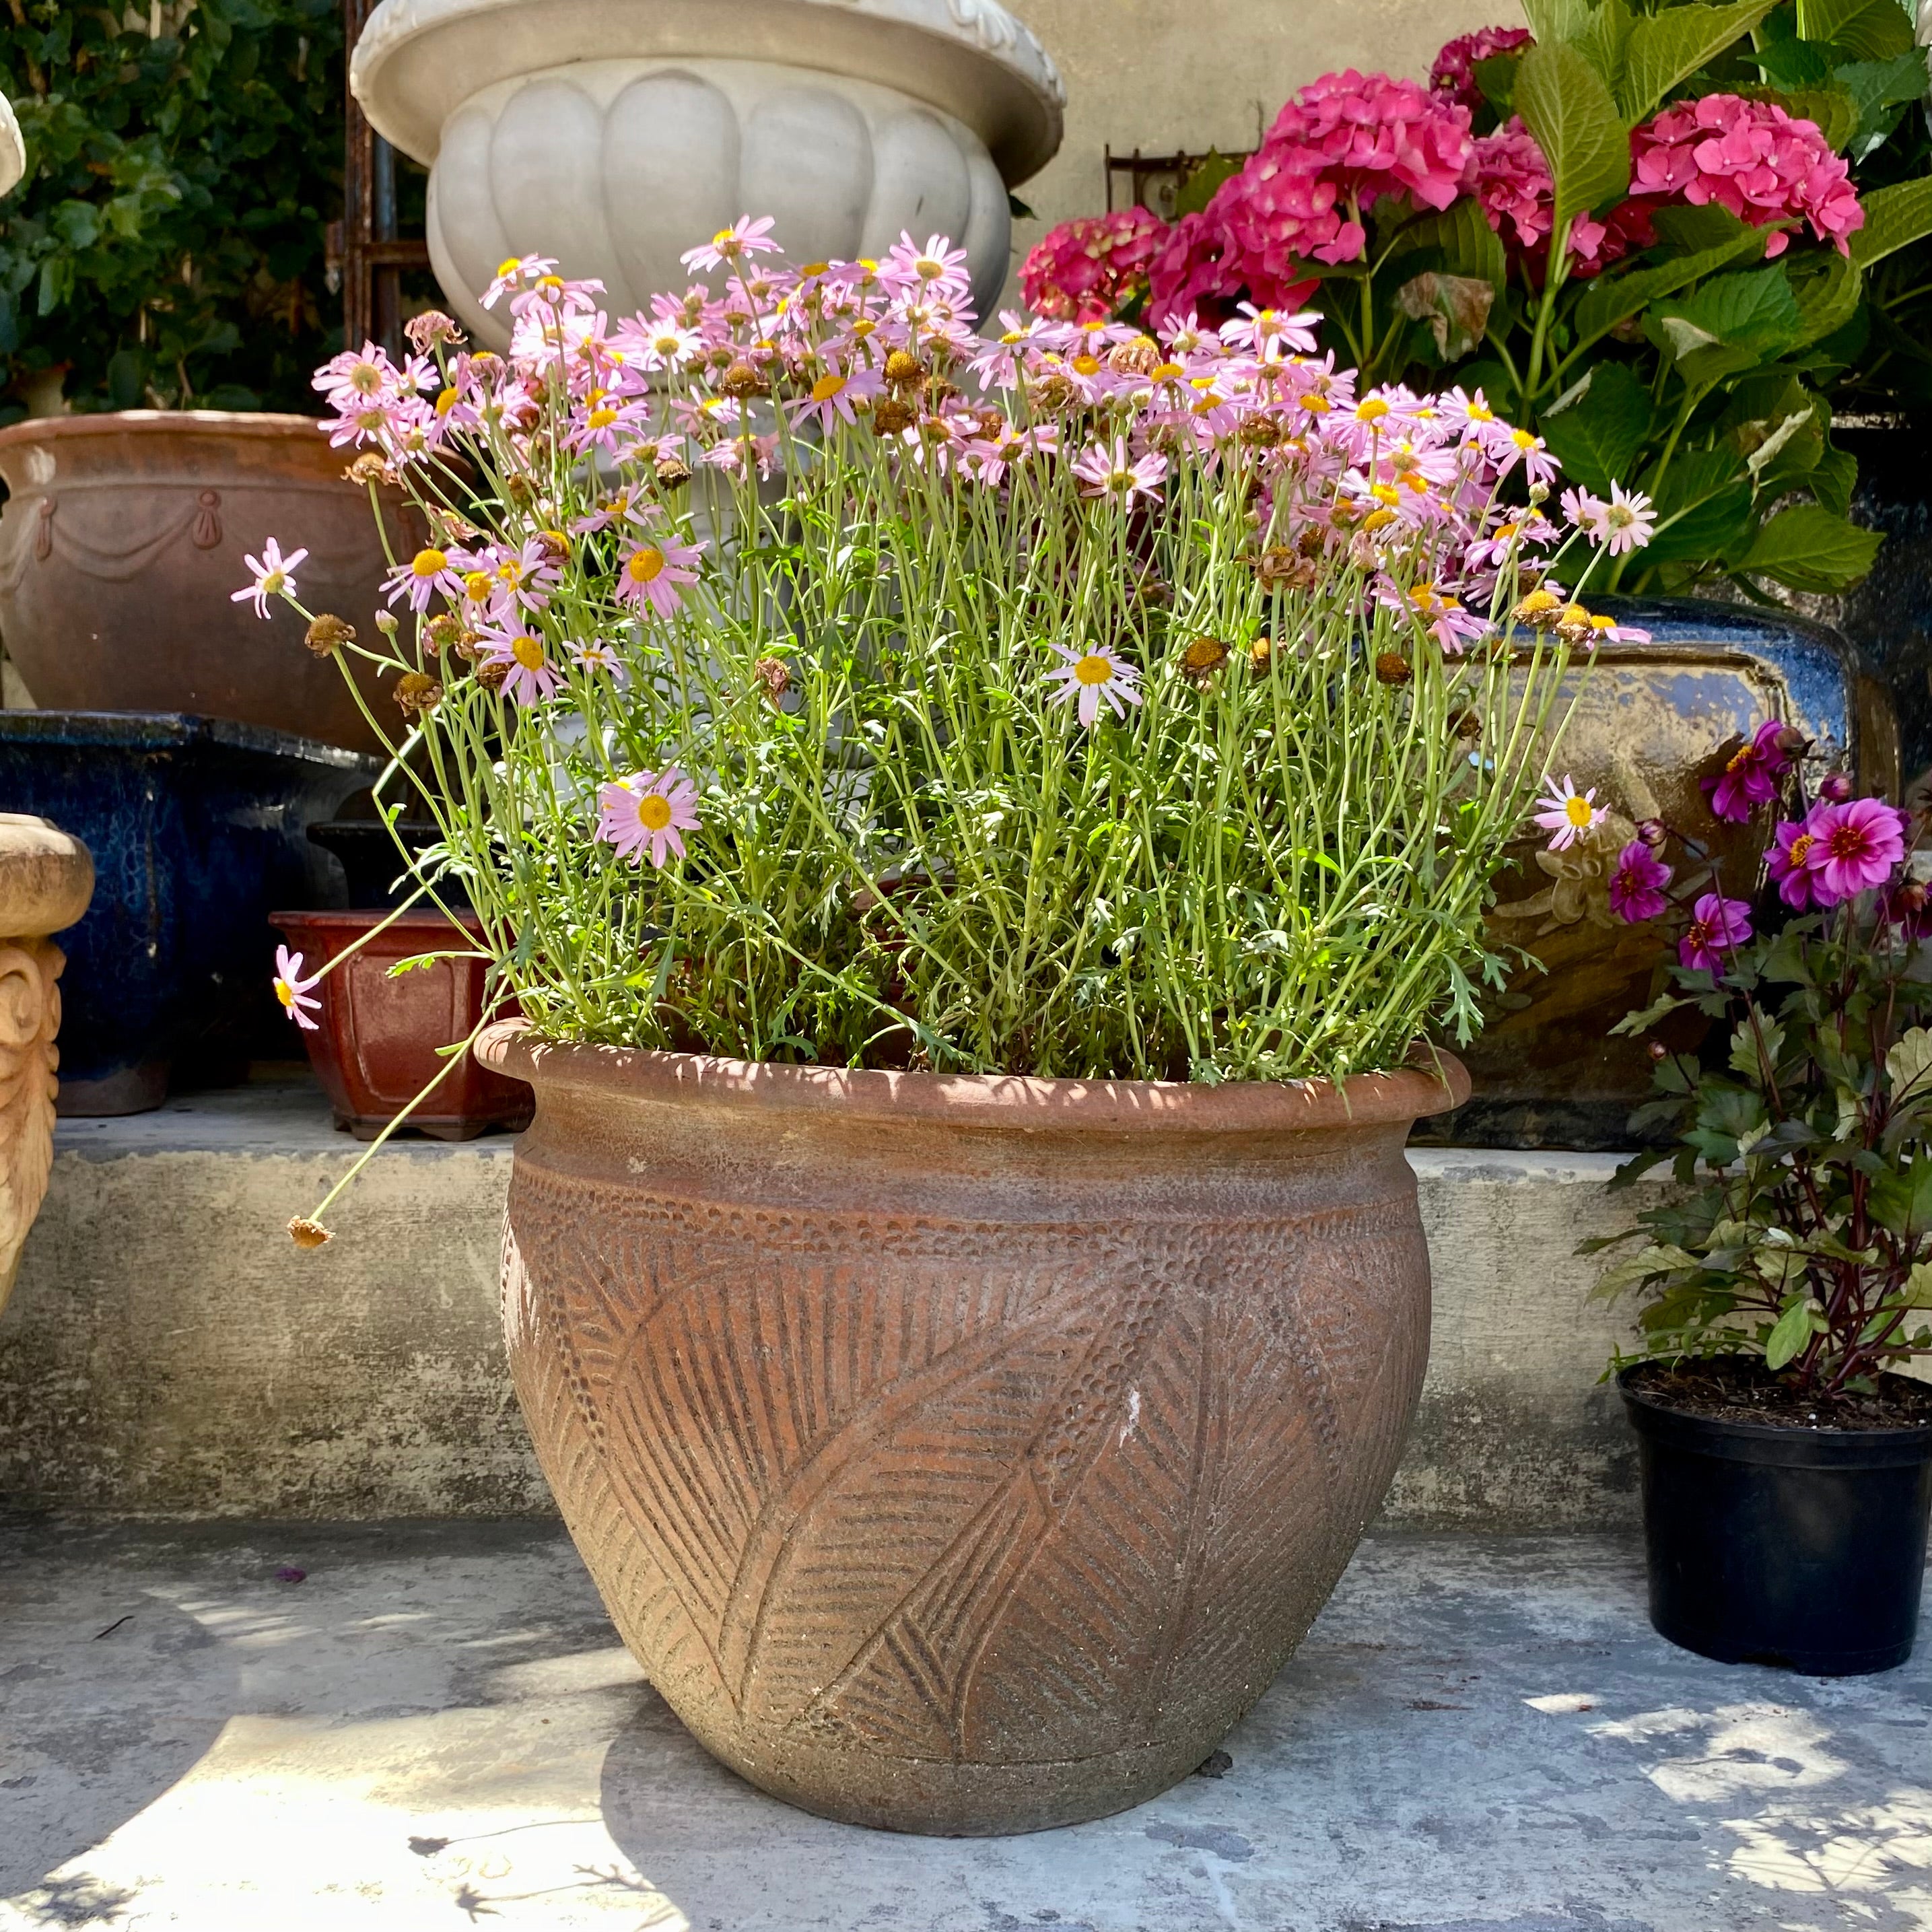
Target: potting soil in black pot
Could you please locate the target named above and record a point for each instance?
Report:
(1783, 1541)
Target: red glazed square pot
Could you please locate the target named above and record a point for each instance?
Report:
(374, 1045)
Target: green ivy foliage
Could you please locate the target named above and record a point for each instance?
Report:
(183, 158)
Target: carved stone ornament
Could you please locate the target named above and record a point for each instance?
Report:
(612, 135)
(46, 879)
(961, 1455)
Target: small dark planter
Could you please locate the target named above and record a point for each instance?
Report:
(1770, 1545)
(374, 1046)
(197, 828)
(373, 867)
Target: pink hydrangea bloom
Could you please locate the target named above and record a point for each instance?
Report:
(1637, 882)
(1454, 73)
(1343, 144)
(1087, 270)
(1752, 157)
(1718, 926)
(1857, 845)
(1509, 177)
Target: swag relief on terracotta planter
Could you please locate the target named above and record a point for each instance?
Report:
(961, 1455)
(606, 134)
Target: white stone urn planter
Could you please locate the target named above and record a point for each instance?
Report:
(614, 134)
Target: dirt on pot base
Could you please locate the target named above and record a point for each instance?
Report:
(1739, 1388)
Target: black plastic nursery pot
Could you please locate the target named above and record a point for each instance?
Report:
(1768, 1543)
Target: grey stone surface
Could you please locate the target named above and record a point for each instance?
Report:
(439, 1727)
(168, 1351)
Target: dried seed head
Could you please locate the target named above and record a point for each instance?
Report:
(526, 417)
(1278, 568)
(468, 645)
(741, 380)
(1312, 540)
(554, 545)
(1261, 654)
(1261, 432)
(416, 691)
(425, 330)
(1573, 626)
(1541, 608)
(306, 1234)
(673, 470)
(519, 488)
(453, 529)
(890, 417)
(327, 634)
(1140, 357)
(490, 676)
(442, 634)
(1363, 552)
(1201, 659)
(368, 468)
(1392, 668)
(1053, 391)
(903, 369)
(775, 675)
(1465, 725)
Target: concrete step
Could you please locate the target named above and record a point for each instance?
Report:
(437, 1725)
(168, 1352)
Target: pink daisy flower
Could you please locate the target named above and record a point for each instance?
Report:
(1859, 844)
(653, 573)
(1092, 676)
(832, 399)
(597, 656)
(648, 813)
(426, 573)
(1637, 884)
(1568, 814)
(1107, 470)
(514, 274)
(909, 269)
(275, 577)
(530, 673)
(296, 993)
(1718, 925)
(744, 237)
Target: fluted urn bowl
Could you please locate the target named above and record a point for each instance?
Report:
(613, 135)
(961, 1455)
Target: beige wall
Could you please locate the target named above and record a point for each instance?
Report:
(1167, 75)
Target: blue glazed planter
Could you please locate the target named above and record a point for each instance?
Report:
(198, 828)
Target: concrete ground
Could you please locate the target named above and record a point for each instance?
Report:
(436, 1727)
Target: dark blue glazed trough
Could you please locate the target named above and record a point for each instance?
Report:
(199, 829)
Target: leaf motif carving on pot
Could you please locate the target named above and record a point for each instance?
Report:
(43, 533)
(206, 530)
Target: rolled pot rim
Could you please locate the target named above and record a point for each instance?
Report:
(1011, 1101)
(1908, 1442)
(259, 423)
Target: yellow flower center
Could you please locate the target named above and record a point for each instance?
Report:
(429, 563)
(645, 565)
(285, 993)
(1386, 493)
(529, 652)
(1378, 520)
(812, 269)
(1012, 336)
(863, 327)
(507, 266)
(551, 285)
(1579, 811)
(654, 811)
(1085, 364)
(929, 269)
(1522, 439)
(445, 402)
(477, 585)
(602, 417)
(1481, 412)
(826, 387)
(1800, 846)
(1315, 402)
(666, 345)
(272, 583)
(1371, 409)
(511, 570)
(1165, 372)
(1094, 668)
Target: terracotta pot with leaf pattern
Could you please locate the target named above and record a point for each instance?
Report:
(124, 536)
(961, 1455)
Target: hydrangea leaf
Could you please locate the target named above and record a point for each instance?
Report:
(1598, 426)
(1667, 48)
(1808, 548)
(1895, 218)
(1611, 299)
(1566, 103)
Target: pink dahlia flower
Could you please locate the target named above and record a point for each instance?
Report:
(1752, 157)
(1718, 925)
(1454, 73)
(1637, 882)
(1751, 777)
(1789, 864)
(1087, 270)
(1859, 844)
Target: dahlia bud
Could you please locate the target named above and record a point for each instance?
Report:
(327, 634)
(1657, 1050)
(1793, 744)
(1392, 668)
(1655, 833)
(1834, 787)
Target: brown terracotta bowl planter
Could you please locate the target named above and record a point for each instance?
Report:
(124, 534)
(374, 1047)
(961, 1455)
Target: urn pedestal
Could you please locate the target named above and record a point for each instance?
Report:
(47, 878)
